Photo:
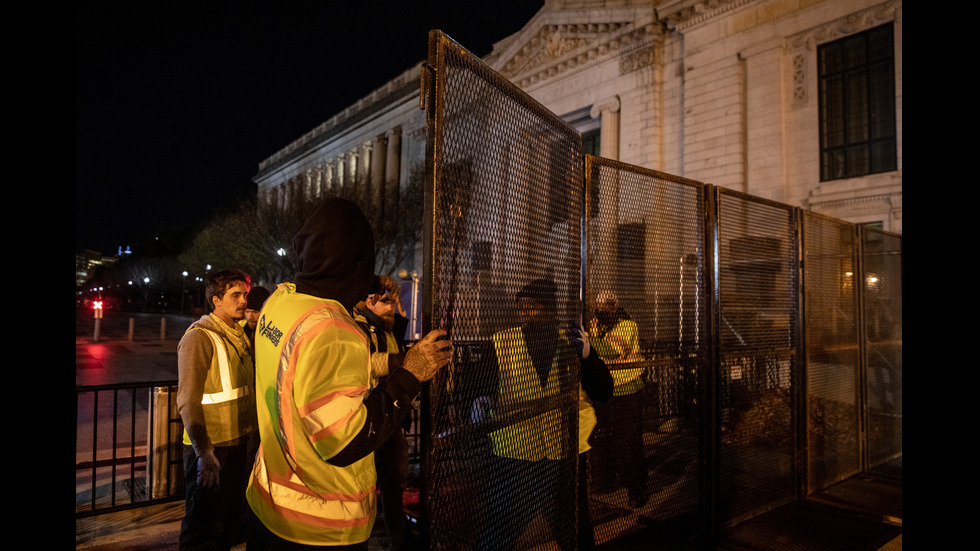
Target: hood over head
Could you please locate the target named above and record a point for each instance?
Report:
(335, 248)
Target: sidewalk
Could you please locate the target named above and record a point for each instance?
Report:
(155, 528)
(148, 357)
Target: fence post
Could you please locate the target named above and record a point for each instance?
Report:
(163, 329)
(161, 480)
(132, 328)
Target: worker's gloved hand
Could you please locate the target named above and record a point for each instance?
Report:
(428, 355)
(580, 339)
(208, 468)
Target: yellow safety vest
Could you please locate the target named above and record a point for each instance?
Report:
(540, 436)
(586, 421)
(619, 346)
(383, 343)
(312, 372)
(228, 400)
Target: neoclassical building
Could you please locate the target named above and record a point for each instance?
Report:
(798, 101)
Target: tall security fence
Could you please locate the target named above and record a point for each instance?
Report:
(505, 224)
(647, 314)
(755, 348)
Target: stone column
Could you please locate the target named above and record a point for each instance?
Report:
(379, 157)
(364, 168)
(608, 110)
(392, 188)
(605, 247)
(329, 176)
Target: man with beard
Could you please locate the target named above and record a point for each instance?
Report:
(533, 458)
(376, 315)
(619, 435)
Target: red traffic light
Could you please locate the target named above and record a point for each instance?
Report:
(97, 305)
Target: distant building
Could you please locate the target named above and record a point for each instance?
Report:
(798, 101)
(86, 262)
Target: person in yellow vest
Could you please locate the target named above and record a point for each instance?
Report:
(615, 337)
(534, 456)
(313, 484)
(216, 402)
(376, 315)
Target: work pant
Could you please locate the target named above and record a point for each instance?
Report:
(617, 445)
(586, 534)
(391, 463)
(518, 490)
(214, 518)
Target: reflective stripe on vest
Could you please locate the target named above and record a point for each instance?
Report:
(293, 500)
(322, 416)
(293, 490)
(227, 392)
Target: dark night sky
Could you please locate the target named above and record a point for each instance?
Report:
(177, 102)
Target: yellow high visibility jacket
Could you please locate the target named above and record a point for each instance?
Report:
(228, 401)
(539, 436)
(312, 375)
(620, 345)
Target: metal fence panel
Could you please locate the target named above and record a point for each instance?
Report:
(832, 356)
(127, 447)
(757, 322)
(505, 208)
(882, 263)
(646, 312)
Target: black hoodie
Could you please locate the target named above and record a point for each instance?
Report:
(336, 262)
(336, 253)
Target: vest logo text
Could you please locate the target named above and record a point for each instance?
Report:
(269, 331)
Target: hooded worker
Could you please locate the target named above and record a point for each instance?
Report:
(314, 478)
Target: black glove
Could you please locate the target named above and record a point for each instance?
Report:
(208, 469)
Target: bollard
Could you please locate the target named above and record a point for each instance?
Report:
(163, 329)
(162, 475)
(132, 328)
(98, 326)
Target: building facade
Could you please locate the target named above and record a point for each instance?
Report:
(798, 101)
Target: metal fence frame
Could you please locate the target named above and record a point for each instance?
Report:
(761, 414)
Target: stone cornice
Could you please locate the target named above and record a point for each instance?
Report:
(560, 49)
(844, 26)
(688, 13)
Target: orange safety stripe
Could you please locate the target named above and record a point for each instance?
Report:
(314, 424)
(285, 380)
(349, 507)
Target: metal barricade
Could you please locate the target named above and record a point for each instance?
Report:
(646, 311)
(831, 352)
(127, 450)
(756, 323)
(504, 198)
